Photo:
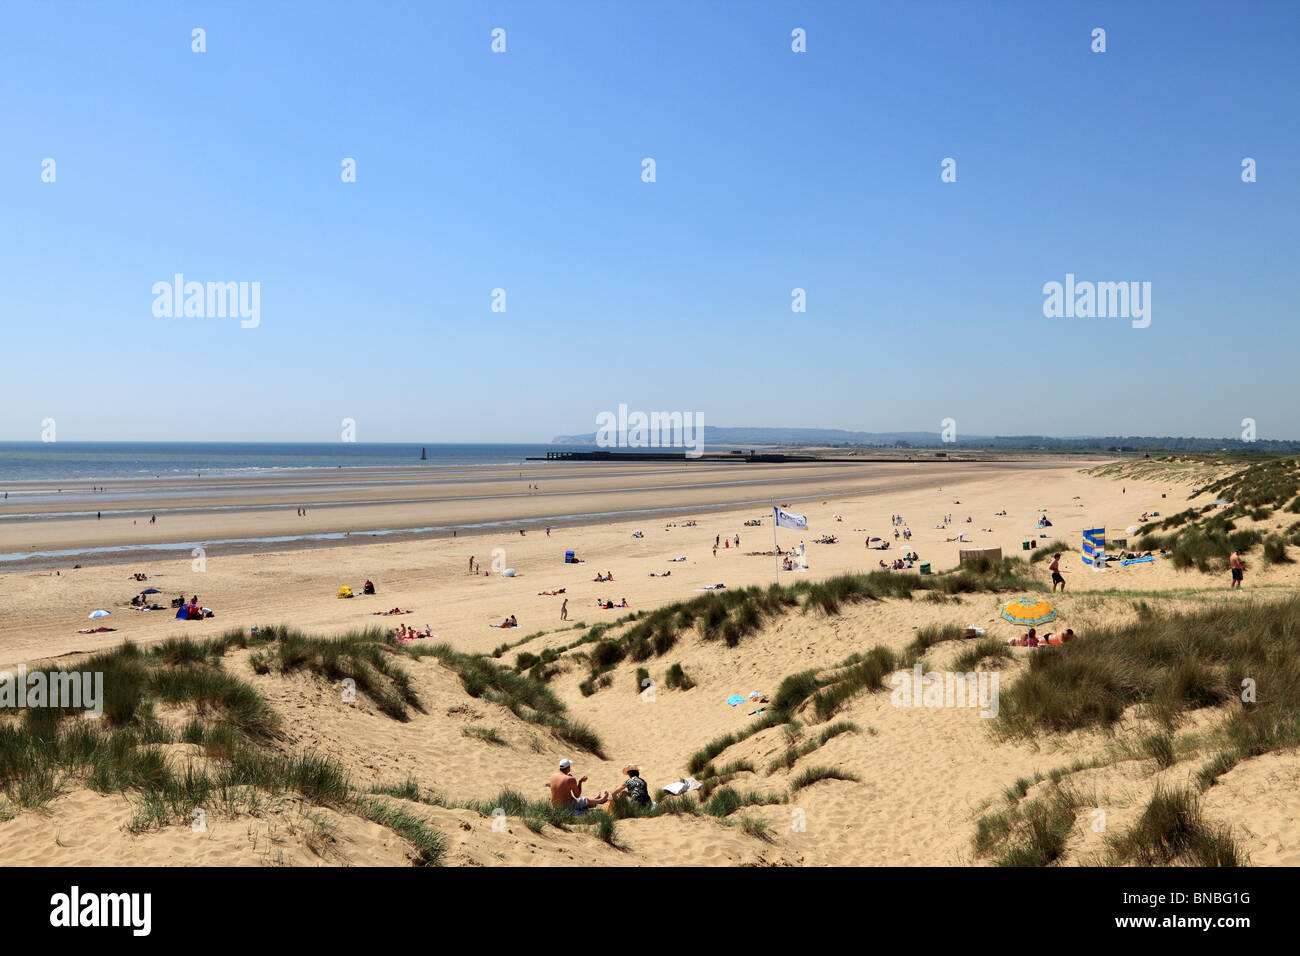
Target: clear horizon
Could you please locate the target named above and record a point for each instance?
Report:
(775, 170)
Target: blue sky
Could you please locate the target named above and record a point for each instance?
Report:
(522, 171)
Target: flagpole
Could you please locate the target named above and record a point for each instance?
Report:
(776, 561)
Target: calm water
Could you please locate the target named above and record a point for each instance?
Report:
(106, 461)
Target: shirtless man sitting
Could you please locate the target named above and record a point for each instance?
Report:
(566, 790)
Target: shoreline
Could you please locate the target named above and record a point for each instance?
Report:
(118, 554)
(256, 519)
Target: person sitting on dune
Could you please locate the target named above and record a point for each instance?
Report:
(634, 788)
(566, 790)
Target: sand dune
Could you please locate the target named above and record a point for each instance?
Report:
(925, 776)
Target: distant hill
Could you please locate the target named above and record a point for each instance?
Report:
(717, 436)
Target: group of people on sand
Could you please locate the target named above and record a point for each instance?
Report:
(601, 602)
(602, 578)
(511, 622)
(899, 564)
(1033, 640)
(191, 611)
(404, 633)
(566, 789)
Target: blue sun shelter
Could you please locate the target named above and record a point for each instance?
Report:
(1094, 548)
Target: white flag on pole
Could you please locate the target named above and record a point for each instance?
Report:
(788, 519)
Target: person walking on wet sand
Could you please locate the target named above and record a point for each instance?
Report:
(1238, 569)
(1055, 568)
(471, 564)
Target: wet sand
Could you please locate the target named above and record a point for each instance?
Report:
(41, 527)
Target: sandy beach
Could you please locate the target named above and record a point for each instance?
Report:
(924, 776)
(291, 581)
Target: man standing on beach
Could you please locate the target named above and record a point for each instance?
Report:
(564, 610)
(1055, 568)
(1238, 569)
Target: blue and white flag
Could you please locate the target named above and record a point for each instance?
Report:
(788, 519)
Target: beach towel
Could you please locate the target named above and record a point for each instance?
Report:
(682, 786)
(1137, 560)
(735, 699)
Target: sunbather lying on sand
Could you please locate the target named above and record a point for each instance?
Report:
(396, 610)
(553, 591)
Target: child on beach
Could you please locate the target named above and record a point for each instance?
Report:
(1055, 568)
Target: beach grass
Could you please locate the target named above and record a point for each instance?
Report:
(366, 657)
(234, 763)
(1172, 664)
(1173, 830)
(817, 774)
(526, 697)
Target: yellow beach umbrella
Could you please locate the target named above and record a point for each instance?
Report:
(1029, 612)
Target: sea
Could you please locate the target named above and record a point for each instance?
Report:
(78, 462)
